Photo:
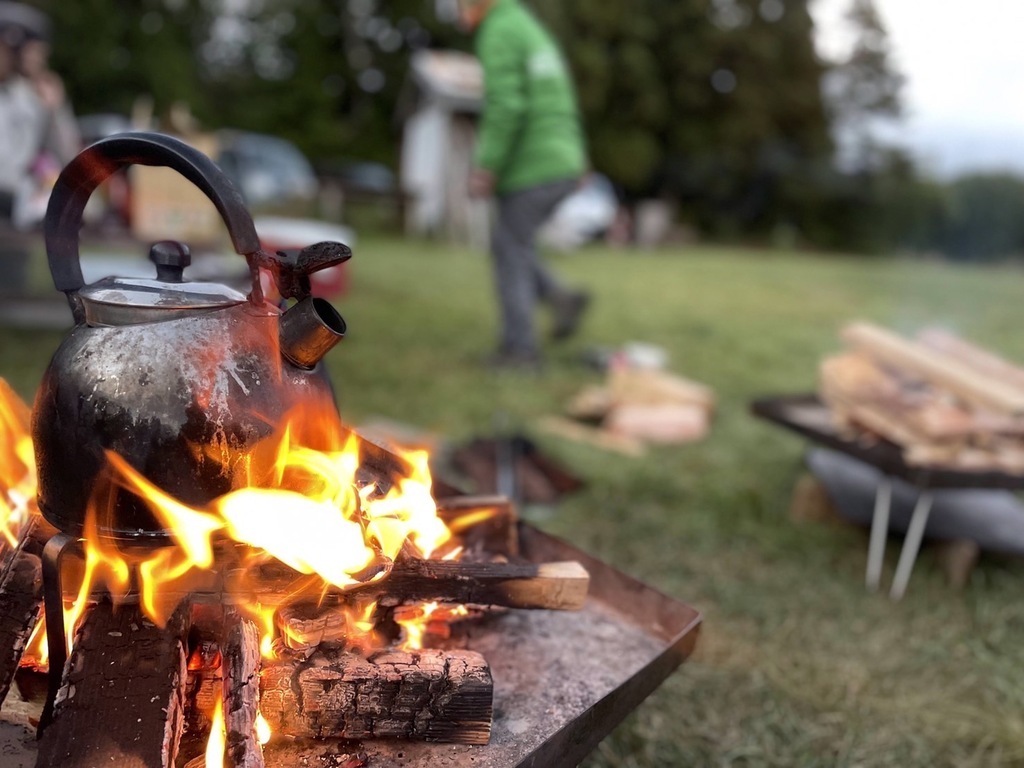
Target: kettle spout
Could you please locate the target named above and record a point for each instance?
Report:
(309, 330)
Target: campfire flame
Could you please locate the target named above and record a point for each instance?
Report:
(17, 465)
(263, 733)
(298, 505)
(217, 742)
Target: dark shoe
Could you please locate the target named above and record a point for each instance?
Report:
(568, 312)
(514, 360)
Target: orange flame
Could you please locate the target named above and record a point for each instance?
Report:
(298, 500)
(218, 738)
(263, 732)
(17, 465)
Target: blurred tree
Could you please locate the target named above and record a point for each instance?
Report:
(985, 219)
(330, 75)
(714, 102)
(110, 52)
(863, 87)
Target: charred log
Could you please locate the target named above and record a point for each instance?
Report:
(123, 696)
(241, 688)
(21, 600)
(430, 695)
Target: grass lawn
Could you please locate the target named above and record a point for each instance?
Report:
(797, 665)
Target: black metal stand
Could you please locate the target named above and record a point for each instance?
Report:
(53, 605)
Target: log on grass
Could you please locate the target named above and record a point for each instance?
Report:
(241, 654)
(123, 695)
(599, 438)
(427, 695)
(21, 601)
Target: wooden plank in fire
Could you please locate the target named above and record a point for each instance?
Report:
(556, 586)
(241, 688)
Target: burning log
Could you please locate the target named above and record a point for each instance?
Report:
(122, 701)
(559, 586)
(431, 695)
(241, 655)
(21, 598)
(556, 586)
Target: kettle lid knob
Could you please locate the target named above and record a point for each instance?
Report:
(171, 258)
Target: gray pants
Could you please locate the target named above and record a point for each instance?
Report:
(521, 277)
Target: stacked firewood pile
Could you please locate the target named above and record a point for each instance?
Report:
(946, 402)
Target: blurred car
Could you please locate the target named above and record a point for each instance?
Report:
(272, 174)
(276, 180)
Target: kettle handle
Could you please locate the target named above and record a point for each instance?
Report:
(96, 163)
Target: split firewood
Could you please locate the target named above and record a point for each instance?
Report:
(430, 695)
(855, 377)
(653, 387)
(21, 601)
(959, 378)
(659, 423)
(241, 654)
(945, 402)
(599, 438)
(591, 403)
(981, 360)
(123, 696)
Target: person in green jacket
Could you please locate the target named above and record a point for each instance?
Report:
(530, 155)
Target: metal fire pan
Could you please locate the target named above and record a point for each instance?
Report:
(562, 680)
(807, 415)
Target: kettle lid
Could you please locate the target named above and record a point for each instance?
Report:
(127, 301)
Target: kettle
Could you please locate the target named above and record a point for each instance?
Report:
(180, 379)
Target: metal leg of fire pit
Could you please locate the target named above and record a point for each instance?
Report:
(879, 532)
(53, 604)
(911, 545)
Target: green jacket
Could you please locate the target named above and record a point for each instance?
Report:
(530, 130)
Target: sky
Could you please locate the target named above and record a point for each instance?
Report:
(964, 66)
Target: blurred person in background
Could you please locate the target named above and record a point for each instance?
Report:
(21, 123)
(58, 138)
(19, 143)
(530, 155)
